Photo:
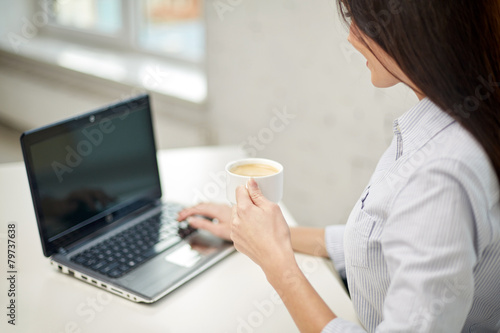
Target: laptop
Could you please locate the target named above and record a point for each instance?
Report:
(97, 197)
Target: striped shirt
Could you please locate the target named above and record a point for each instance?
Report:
(421, 248)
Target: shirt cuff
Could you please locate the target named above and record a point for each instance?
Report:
(339, 325)
(334, 241)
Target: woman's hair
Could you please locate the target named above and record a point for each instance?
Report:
(450, 50)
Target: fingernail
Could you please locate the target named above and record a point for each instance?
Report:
(252, 184)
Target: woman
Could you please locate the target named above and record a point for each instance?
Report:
(421, 248)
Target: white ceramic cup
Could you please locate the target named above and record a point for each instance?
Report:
(271, 185)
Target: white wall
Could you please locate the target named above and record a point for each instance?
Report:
(268, 55)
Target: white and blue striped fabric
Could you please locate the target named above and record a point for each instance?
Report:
(421, 248)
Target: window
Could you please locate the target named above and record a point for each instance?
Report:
(91, 15)
(172, 28)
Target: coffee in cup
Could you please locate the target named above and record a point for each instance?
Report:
(254, 170)
(267, 173)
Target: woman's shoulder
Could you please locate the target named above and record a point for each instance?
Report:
(456, 153)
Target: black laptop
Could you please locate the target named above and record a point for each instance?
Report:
(97, 197)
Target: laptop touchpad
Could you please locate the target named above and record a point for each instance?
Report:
(184, 256)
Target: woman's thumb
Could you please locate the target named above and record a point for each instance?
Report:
(255, 192)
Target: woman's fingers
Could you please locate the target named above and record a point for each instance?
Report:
(200, 217)
(255, 193)
(216, 229)
(251, 195)
(205, 209)
(243, 198)
(258, 228)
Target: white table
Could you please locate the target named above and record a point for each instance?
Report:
(232, 296)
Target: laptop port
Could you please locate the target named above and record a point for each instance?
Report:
(84, 277)
(94, 281)
(103, 285)
(116, 291)
(70, 272)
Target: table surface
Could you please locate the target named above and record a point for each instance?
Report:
(232, 296)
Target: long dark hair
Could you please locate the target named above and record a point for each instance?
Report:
(450, 49)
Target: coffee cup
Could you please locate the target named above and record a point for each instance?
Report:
(267, 173)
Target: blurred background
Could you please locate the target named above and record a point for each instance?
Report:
(276, 78)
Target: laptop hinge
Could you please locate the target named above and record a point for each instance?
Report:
(62, 251)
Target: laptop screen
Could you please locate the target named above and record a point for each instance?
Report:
(91, 170)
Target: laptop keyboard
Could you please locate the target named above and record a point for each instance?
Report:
(126, 250)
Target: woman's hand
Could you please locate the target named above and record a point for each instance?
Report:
(219, 213)
(259, 230)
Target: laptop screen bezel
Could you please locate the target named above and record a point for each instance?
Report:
(32, 137)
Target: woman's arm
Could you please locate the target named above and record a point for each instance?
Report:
(309, 241)
(308, 310)
(259, 230)
(304, 240)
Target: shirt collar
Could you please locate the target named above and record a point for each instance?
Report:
(419, 124)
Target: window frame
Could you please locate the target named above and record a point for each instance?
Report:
(125, 40)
